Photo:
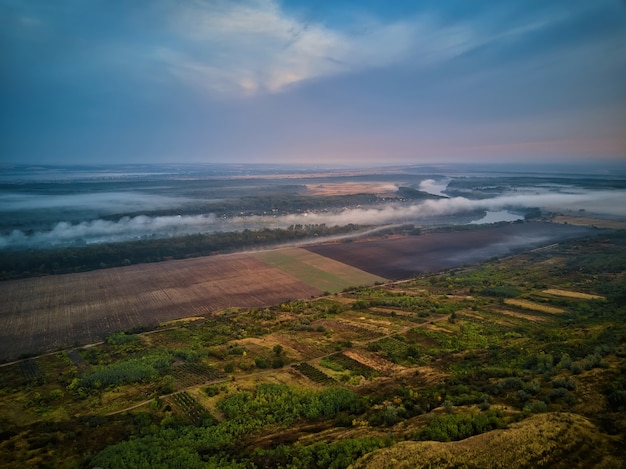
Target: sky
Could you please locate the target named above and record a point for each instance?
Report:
(356, 82)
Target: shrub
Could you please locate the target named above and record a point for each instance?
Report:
(535, 407)
(260, 362)
(459, 426)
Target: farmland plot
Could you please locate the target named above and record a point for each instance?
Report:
(409, 255)
(50, 313)
(190, 374)
(316, 270)
(190, 408)
(314, 374)
(31, 371)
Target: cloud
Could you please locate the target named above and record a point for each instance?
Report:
(246, 48)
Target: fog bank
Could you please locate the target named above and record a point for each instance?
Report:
(130, 228)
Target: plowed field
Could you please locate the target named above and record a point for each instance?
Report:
(49, 313)
(397, 258)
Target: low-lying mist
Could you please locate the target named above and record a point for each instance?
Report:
(138, 227)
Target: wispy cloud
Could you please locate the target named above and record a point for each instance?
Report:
(255, 47)
(252, 47)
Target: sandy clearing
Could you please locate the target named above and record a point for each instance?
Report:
(349, 188)
(526, 304)
(572, 294)
(515, 314)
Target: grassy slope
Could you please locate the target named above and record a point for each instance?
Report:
(555, 440)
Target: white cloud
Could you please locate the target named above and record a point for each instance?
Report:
(247, 48)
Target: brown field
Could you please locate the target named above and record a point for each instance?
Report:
(515, 314)
(374, 361)
(589, 221)
(348, 188)
(403, 257)
(572, 294)
(50, 313)
(533, 306)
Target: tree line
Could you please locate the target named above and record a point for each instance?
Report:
(39, 262)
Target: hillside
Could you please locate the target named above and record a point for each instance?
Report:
(555, 440)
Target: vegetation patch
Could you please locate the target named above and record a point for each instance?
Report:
(353, 365)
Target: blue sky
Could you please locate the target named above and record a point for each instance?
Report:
(317, 81)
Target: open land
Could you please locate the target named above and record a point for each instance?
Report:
(402, 257)
(50, 313)
(345, 188)
(489, 339)
(429, 369)
(590, 221)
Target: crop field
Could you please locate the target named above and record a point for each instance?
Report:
(314, 374)
(313, 269)
(403, 257)
(353, 365)
(190, 374)
(44, 314)
(31, 371)
(50, 313)
(189, 407)
(374, 361)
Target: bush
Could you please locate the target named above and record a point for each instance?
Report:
(260, 363)
(133, 370)
(459, 426)
(120, 338)
(211, 391)
(535, 407)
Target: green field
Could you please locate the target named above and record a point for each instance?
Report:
(318, 271)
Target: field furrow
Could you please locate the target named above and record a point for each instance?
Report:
(48, 313)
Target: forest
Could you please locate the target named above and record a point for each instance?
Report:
(37, 262)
